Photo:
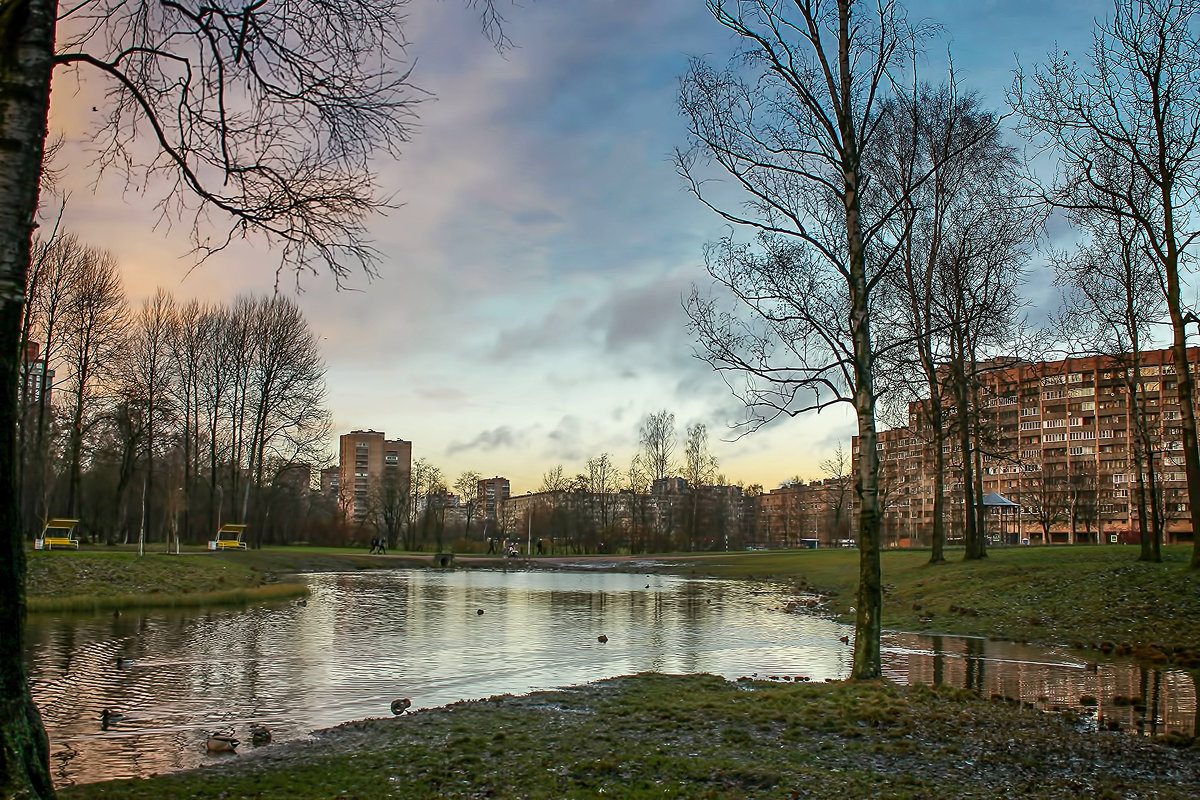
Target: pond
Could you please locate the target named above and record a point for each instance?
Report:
(362, 639)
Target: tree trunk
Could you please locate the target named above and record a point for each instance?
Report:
(938, 552)
(868, 660)
(26, 54)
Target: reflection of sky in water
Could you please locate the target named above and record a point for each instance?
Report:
(364, 639)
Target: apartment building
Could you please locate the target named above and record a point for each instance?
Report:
(369, 462)
(1058, 442)
(492, 494)
(813, 514)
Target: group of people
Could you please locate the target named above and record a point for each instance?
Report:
(379, 545)
(509, 547)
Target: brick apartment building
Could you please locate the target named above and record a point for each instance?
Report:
(492, 494)
(813, 514)
(1059, 446)
(367, 460)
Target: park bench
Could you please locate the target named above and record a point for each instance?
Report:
(229, 537)
(57, 533)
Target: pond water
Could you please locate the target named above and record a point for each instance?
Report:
(363, 639)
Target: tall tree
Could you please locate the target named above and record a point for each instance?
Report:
(602, 477)
(792, 121)
(46, 310)
(148, 374)
(657, 437)
(96, 334)
(288, 419)
(187, 347)
(1113, 300)
(960, 221)
(1126, 129)
(467, 489)
(699, 468)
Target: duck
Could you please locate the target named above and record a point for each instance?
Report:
(602, 638)
(221, 744)
(400, 705)
(108, 718)
(260, 734)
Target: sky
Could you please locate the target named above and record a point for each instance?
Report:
(528, 312)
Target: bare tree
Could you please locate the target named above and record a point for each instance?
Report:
(959, 222)
(793, 121)
(657, 438)
(1046, 502)
(96, 334)
(838, 484)
(700, 465)
(147, 375)
(46, 308)
(389, 504)
(1126, 129)
(700, 468)
(188, 347)
(467, 489)
(1112, 301)
(602, 479)
(289, 421)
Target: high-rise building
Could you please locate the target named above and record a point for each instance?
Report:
(492, 494)
(1059, 444)
(372, 468)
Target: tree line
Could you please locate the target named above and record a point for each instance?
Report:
(157, 422)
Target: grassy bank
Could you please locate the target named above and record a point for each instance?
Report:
(698, 737)
(91, 580)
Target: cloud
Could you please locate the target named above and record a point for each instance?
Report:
(502, 437)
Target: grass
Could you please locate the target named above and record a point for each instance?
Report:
(91, 580)
(697, 736)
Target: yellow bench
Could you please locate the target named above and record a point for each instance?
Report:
(57, 533)
(229, 537)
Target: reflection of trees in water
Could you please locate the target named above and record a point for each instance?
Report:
(1148, 710)
(1157, 699)
(939, 661)
(974, 664)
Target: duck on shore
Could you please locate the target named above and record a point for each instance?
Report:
(221, 744)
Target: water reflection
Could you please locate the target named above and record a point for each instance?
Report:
(364, 639)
